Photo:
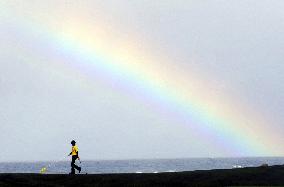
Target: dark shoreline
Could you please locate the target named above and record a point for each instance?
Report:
(257, 176)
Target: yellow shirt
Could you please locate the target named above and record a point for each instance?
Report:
(75, 150)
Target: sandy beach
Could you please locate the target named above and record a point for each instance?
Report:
(257, 176)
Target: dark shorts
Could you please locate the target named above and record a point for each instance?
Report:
(74, 158)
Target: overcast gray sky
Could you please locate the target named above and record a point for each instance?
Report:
(235, 47)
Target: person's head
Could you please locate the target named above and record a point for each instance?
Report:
(73, 142)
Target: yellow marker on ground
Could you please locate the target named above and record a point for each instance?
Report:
(43, 170)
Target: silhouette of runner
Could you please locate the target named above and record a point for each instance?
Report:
(75, 156)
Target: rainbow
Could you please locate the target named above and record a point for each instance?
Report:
(96, 49)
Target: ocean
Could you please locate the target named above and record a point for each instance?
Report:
(140, 166)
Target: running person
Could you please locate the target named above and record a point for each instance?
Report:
(75, 156)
